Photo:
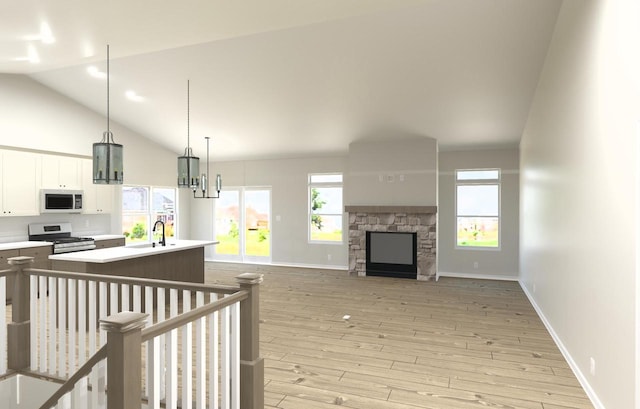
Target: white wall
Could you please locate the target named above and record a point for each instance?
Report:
(376, 169)
(498, 264)
(288, 180)
(38, 118)
(579, 190)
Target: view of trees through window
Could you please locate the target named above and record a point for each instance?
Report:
(478, 208)
(325, 207)
(142, 206)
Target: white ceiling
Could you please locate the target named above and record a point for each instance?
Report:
(292, 77)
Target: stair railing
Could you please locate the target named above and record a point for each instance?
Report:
(55, 324)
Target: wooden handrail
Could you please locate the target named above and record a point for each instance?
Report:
(80, 373)
(5, 272)
(179, 285)
(187, 317)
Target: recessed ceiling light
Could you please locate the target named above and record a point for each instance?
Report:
(133, 96)
(95, 72)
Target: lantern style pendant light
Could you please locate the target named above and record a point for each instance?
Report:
(107, 155)
(188, 165)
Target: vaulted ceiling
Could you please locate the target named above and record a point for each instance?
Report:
(288, 78)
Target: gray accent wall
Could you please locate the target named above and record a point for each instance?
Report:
(499, 263)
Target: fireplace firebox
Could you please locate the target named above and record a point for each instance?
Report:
(392, 254)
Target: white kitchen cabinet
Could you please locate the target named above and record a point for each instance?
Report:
(61, 172)
(97, 199)
(19, 177)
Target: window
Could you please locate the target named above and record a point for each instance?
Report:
(142, 206)
(325, 207)
(478, 208)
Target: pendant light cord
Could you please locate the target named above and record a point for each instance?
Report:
(108, 129)
(188, 112)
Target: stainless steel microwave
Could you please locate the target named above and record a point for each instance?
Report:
(60, 201)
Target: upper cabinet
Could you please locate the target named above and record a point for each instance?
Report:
(97, 199)
(61, 172)
(19, 175)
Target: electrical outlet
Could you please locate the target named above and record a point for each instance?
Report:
(86, 223)
(329, 257)
(475, 264)
(390, 178)
(592, 366)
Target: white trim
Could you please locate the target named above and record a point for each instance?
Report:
(591, 394)
(477, 276)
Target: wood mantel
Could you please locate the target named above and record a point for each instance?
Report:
(391, 209)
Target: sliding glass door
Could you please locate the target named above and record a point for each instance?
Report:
(243, 225)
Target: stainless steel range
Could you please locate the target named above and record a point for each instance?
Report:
(60, 235)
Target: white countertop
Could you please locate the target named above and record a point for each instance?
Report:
(24, 244)
(107, 237)
(127, 252)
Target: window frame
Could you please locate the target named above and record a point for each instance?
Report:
(478, 182)
(150, 212)
(332, 184)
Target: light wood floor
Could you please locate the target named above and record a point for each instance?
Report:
(372, 343)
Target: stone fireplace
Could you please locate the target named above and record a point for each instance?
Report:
(411, 219)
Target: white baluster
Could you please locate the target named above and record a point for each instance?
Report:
(172, 355)
(52, 326)
(102, 311)
(102, 286)
(160, 307)
(72, 325)
(125, 297)
(102, 384)
(3, 325)
(153, 364)
(82, 322)
(79, 398)
(148, 309)
(213, 356)
(225, 398)
(42, 290)
(186, 354)
(113, 305)
(235, 355)
(137, 298)
(62, 327)
(33, 321)
(93, 321)
(201, 378)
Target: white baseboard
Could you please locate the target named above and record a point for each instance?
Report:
(477, 276)
(300, 265)
(591, 394)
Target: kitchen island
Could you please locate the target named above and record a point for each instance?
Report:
(180, 260)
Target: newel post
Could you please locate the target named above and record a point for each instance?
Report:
(19, 330)
(251, 363)
(124, 338)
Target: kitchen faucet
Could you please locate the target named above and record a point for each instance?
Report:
(163, 241)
